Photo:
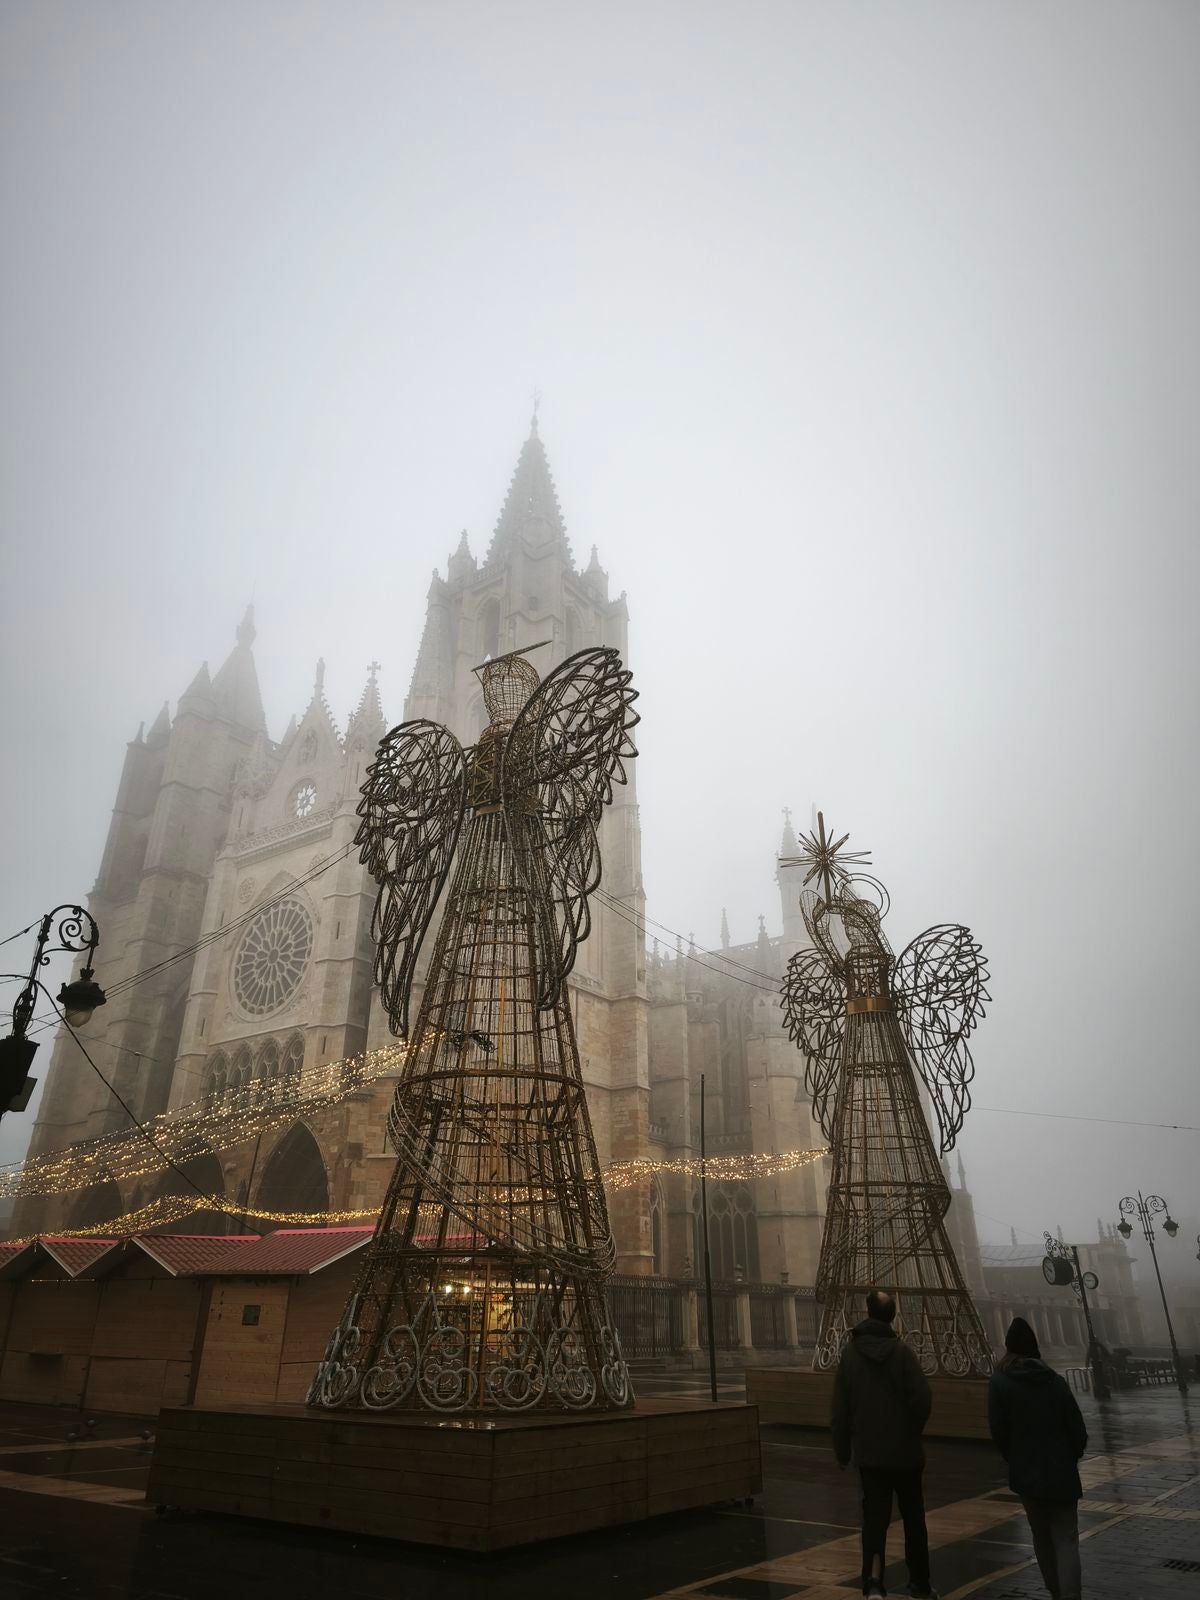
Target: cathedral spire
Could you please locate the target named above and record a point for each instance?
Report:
(462, 566)
(235, 687)
(531, 511)
(160, 728)
(369, 713)
(788, 848)
(724, 930)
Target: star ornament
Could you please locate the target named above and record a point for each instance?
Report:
(826, 859)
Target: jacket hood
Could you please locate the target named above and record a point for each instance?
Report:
(1025, 1369)
(874, 1339)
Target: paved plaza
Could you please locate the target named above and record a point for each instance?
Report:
(73, 1524)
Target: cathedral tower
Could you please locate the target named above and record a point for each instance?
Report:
(171, 814)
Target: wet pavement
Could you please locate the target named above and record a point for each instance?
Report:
(74, 1523)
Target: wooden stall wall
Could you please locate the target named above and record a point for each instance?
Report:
(314, 1310)
(243, 1341)
(144, 1340)
(49, 1342)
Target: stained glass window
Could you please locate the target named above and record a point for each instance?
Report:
(272, 957)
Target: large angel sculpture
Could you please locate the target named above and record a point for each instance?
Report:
(483, 1287)
(869, 1023)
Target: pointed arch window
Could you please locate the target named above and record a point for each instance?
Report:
(242, 1069)
(266, 1068)
(732, 1232)
(572, 632)
(489, 629)
(293, 1057)
(657, 1241)
(218, 1076)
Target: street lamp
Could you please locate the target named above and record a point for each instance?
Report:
(76, 932)
(1061, 1265)
(1146, 1208)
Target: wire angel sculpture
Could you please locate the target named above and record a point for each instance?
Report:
(483, 1287)
(869, 1022)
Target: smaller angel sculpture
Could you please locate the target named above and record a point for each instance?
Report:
(483, 1288)
(869, 1023)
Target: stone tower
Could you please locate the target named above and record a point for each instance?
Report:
(171, 815)
(528, 589)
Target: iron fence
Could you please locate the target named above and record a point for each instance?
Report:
(650, 1315)
(725, 1317)
(768, 1321)
(808, 1316)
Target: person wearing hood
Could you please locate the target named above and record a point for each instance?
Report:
(1037, 1427)
(881, 1402)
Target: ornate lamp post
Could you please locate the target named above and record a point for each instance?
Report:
(1145, 1208)
(1062, 1266)
(76, 932)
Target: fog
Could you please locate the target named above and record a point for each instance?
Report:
(867, 338)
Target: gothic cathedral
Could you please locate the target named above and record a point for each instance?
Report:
(218, 825)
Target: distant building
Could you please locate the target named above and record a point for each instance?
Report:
(1017, 1288)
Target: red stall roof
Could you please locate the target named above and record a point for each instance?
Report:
(288, 1252)
(186, 1254)
(75, 1255)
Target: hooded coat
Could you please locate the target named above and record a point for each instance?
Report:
(881, 1400)
(1038, 1429)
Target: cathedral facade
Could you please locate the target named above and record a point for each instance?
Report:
(218, 826)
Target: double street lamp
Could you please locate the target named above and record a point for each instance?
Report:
(1146, 1208)
(76, 933)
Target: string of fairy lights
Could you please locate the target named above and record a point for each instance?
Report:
(199, 1128)
(174, 1138)
(169, 1209)
(217, 1123)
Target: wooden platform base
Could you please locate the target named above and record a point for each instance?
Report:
(469, 1484)
(804, 1397)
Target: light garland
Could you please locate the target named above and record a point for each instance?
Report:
(199, 1128)
(721, 1169)
(210, 1125)
(620, 1175)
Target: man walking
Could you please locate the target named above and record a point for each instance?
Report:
(881, 1403)
(1038, 1429)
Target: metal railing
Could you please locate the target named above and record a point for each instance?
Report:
(768, 1321)
(658, 1318)
(650, 1315)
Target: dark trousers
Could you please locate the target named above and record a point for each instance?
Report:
(879, 1484)
(1054, 1525)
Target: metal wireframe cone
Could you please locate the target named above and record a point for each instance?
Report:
(483, 1288)
(868, 1022)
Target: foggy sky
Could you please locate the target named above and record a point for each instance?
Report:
(868, 340)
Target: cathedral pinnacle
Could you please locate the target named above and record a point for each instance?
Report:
(724, 930)
(370, 707)
(235, 695)
(788, 848)
(531, 511)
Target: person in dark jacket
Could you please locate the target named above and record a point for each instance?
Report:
(1038, 1429)
(881, 1403)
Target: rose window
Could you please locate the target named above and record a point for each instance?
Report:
(304, 801)
(272, 957)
